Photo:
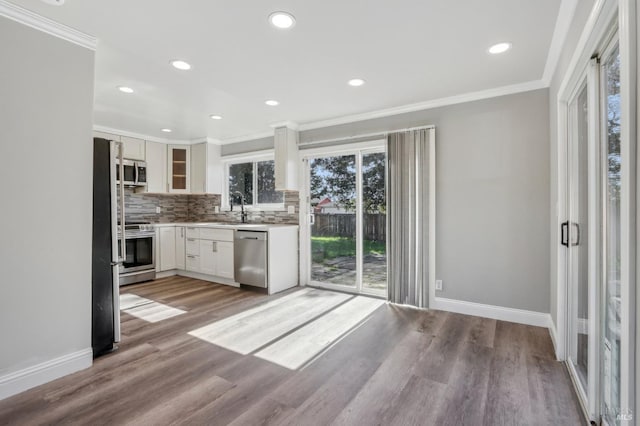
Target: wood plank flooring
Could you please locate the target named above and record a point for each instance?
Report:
(400, 366)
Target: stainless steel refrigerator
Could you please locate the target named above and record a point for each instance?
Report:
(106, 263)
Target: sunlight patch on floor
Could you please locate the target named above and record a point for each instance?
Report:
(301, 346)
(292, 330)
(147, 309)
(257, 327)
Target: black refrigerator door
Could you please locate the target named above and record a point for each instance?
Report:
(102, 334)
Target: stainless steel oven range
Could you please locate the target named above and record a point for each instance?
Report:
(139, 264)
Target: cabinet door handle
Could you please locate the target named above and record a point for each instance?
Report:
(214, 246)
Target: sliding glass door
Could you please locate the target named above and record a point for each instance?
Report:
(592, 235)
(575, 237)
(333, 225)
(346, 218)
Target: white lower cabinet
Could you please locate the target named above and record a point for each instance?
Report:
(224, 262)
(193, 263)
(181, 254)
(167, 257)
(208, 257)
(216, 257)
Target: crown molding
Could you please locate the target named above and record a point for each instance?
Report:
(436, 103)
(566, 13)
(246, 138)
(288, 124)
(46, 25)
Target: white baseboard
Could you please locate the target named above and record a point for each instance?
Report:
(30, 377)
(198, 276)
(554, 337)
(519, 316)
(166, 274)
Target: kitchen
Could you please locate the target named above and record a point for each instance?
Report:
(193, 237)
(325, 213)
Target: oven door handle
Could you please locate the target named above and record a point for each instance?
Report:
(138, 236)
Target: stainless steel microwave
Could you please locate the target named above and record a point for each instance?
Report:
(135, 173)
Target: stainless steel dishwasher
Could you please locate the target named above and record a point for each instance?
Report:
(250, 258)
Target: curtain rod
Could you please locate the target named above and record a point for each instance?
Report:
(369, 136)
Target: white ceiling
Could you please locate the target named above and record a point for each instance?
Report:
(408, 51)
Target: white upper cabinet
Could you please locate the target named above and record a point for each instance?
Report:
(286, 159)
(134, 149)
(156, 167)
(207, 172)
(181, 169)
(179, 160)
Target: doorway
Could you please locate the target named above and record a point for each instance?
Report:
(345, 231)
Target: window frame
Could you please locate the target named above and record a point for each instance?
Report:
(254, 159)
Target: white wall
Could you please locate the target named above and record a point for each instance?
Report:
(46, 104)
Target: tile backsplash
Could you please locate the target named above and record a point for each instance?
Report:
(198, 208)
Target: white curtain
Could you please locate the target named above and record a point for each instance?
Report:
(408, 155)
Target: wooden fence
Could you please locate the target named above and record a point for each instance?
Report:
(344, 225)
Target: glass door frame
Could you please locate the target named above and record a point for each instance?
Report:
(358, 150)
(589, 396)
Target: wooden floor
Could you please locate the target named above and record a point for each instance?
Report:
(401, 366)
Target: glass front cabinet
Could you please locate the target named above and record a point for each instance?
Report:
(179, 168)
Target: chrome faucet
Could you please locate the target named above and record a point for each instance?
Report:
(243, 214)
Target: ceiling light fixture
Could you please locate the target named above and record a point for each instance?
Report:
(125, 89)
(499, 48)
(54, 2)
(272, 102)
(166, 130)
(215, 117)
(181, 65)
(355, 82)
(282, 20)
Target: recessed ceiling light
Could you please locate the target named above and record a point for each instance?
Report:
(215, 117)
(54, 2)
(181, 65)
(272, 102)
(166, 130)
(499, 48)
(355, 82)
(282, 20)
(125, 89)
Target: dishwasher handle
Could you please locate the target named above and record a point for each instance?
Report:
(251, 235)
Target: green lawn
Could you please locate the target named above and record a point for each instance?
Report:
(325, 248)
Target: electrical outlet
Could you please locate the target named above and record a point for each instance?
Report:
(158, 209)
(439, 285)
(216, 209)
(291, 209)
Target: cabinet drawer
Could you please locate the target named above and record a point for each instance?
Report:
(193, 263)
(216, 234)
(193, 246)
(193, 232)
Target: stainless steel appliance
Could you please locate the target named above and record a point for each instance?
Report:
(134, 172)
(250, 258)
(139, 259)
(106, 248)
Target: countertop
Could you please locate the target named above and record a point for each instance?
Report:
(228, 225)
